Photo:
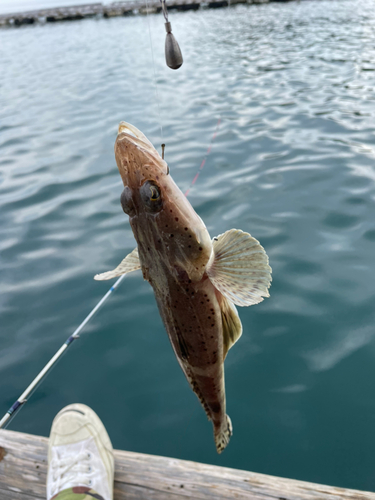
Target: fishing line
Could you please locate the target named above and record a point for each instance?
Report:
(173, 56)
(10, 414)
(205, 158)
(164, 10)
(155, 74)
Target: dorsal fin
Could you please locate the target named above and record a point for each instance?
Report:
(232, 326)
(239, 268)
(129, 264)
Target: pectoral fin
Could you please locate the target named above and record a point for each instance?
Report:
(239, 268)
(129, 264)
(232, 327)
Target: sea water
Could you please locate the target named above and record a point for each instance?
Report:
(292, 164)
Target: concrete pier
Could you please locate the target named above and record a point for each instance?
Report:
(115, 9)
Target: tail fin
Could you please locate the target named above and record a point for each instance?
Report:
(223, 435)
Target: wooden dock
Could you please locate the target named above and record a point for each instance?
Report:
(115, 9)
(23, 470)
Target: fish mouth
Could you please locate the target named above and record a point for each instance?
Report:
(130, 135)
(136, 137)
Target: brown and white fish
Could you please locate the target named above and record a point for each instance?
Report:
(196, 280)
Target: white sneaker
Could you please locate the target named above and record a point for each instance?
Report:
(80, 453)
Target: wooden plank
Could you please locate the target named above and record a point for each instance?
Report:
(23, 470)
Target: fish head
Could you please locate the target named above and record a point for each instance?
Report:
(167, 228)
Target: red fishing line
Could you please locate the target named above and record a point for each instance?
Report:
(205, 158)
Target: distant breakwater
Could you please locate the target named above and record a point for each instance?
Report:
(115, 9)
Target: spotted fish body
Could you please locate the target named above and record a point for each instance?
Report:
(192, 276)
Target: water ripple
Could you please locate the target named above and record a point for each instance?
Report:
(292, 163)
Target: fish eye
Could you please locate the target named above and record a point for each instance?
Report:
(155, 193)
(151, 196)
(127, 201)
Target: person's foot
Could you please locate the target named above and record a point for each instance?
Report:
(80, 453)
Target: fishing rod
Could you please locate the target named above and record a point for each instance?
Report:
(23, 398)
(27, 392)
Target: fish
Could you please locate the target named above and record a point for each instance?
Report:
(197, 280)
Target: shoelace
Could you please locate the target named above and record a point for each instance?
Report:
(71, 468)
